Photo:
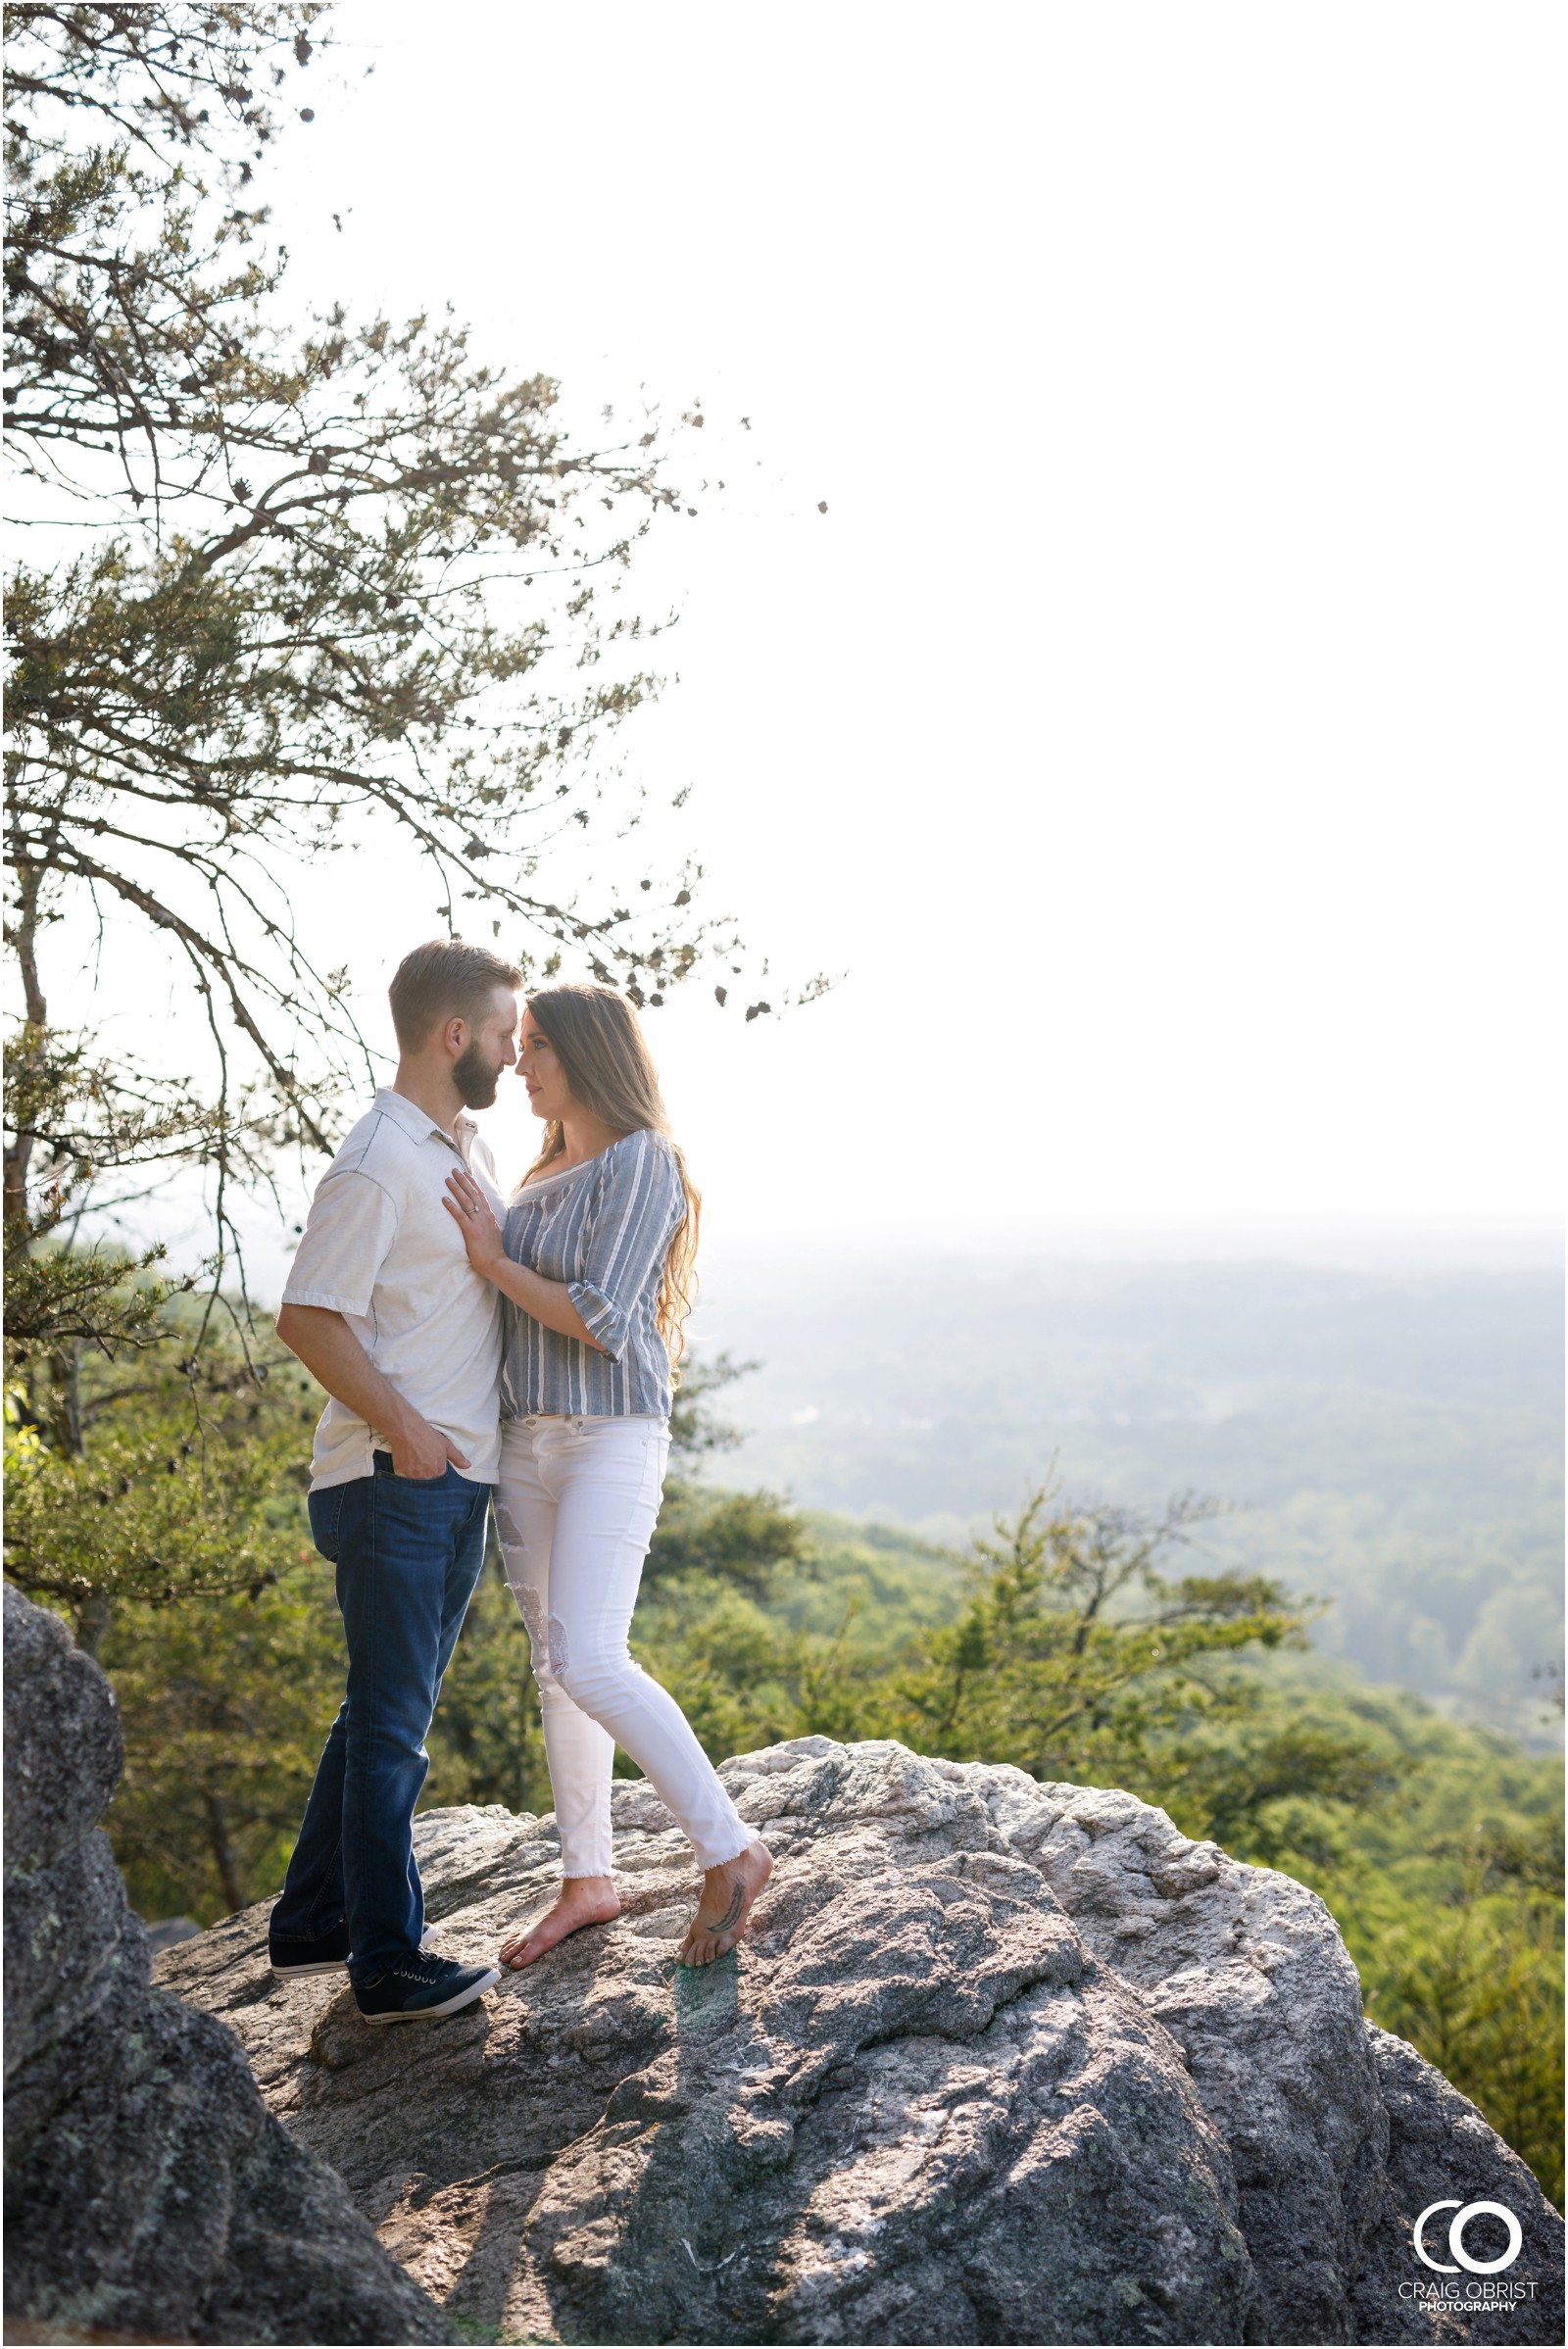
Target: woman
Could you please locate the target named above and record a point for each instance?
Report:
(595, 1264)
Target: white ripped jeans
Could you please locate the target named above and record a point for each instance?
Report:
(575, 1509)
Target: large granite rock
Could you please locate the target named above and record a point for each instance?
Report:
(150, 2196)
(1000, 2061)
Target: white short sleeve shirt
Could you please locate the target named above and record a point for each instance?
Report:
(379, 1248)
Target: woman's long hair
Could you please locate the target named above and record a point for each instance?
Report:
(598, 1043)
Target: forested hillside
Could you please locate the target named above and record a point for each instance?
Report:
(1390, 1441)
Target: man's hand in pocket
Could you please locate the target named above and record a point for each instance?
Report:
(421, 1451)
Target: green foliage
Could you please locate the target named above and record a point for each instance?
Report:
(1074, 1654)
(180, 1479)
(1271, 1783)
(736, 1539)
(225, 1705)
(93, 1296)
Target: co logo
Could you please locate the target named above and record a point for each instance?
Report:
(1456, 2228)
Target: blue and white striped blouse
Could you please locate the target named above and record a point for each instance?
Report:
(604, 1228)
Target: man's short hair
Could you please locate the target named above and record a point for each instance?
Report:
(446, 979)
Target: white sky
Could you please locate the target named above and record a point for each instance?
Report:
(1158, 730)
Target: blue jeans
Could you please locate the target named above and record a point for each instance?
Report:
(408, 1552)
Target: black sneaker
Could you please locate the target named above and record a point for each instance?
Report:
(417, 1989)
(328, 1953)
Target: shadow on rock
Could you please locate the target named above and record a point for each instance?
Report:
(1000, 2061)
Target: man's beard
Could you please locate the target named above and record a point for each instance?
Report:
(474, 1078)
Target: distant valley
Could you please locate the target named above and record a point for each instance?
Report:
(1389, 1443)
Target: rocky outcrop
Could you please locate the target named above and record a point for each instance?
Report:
(1000, 2061)
(150, 2196)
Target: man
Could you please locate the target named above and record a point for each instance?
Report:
(383, 1308)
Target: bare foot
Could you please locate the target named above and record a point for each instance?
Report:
(581, 1900)
(728, 1891)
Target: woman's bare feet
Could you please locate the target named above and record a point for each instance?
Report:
(728, 1891)
(581, 1900)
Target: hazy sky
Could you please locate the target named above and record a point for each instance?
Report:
(1157, 730)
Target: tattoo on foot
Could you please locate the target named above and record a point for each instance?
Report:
(737, 1896)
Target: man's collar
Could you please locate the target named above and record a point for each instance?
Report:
(418, 1123)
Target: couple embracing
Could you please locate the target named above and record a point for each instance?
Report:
(473, 1350)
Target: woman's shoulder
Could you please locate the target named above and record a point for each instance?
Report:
(642, 1154)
